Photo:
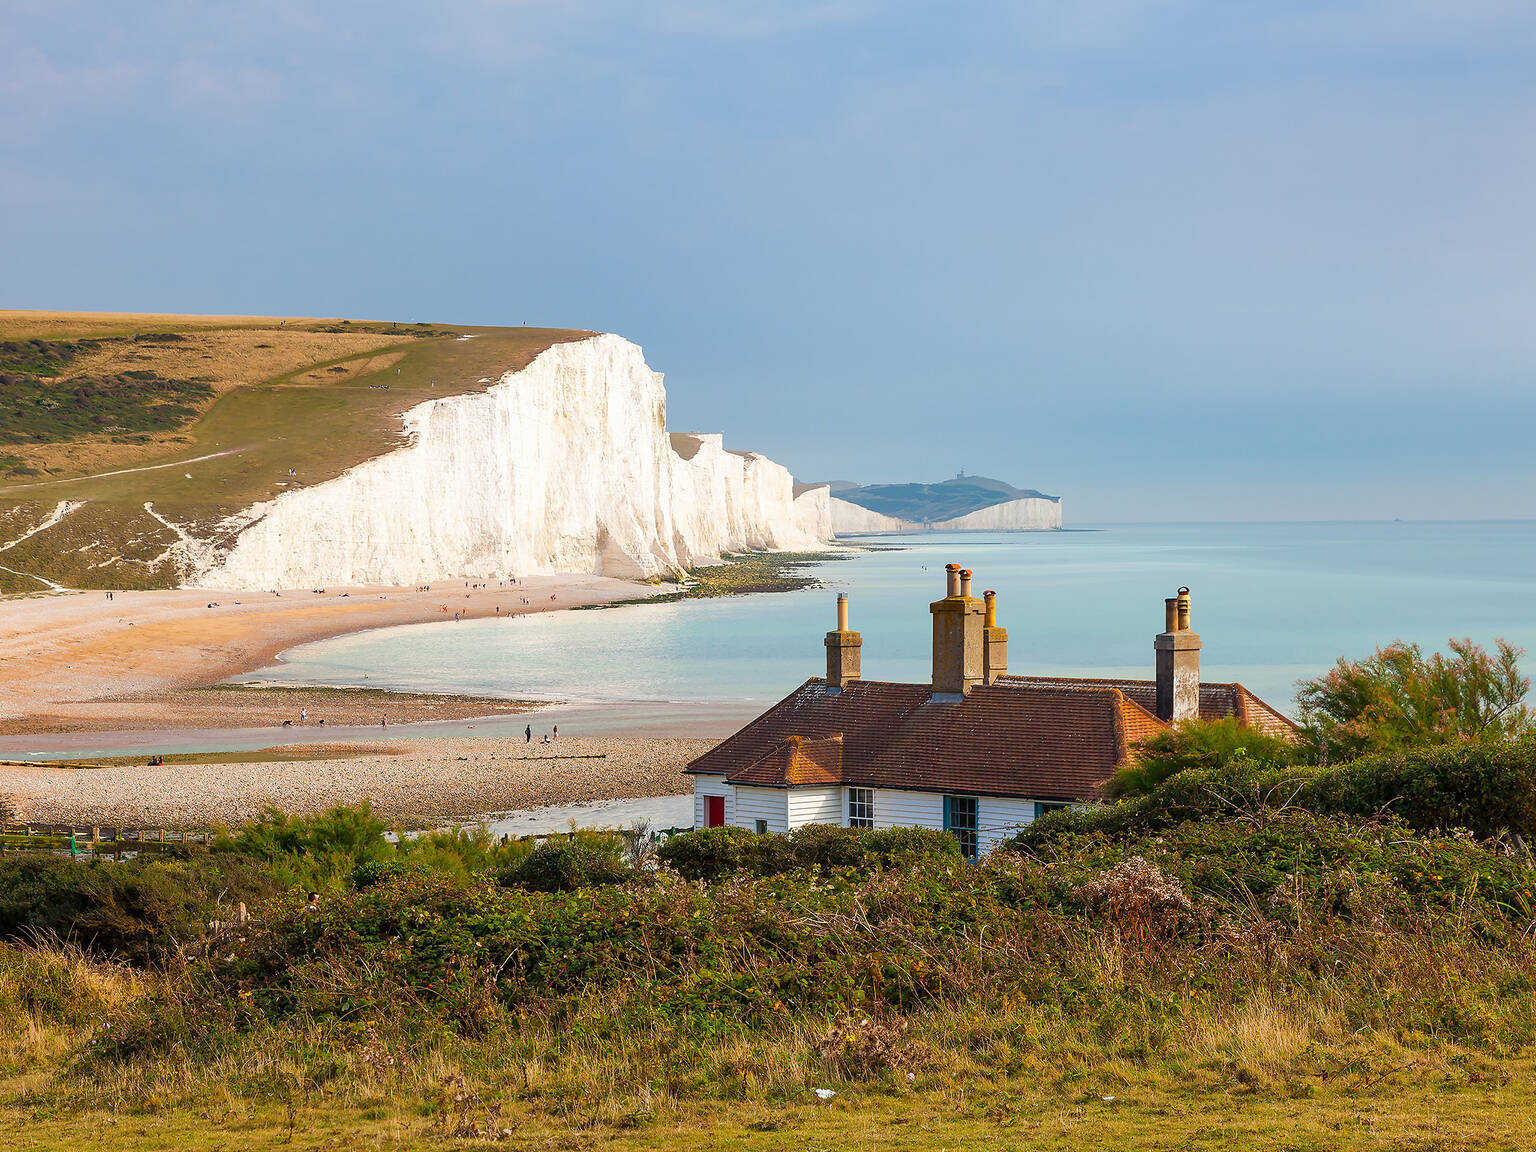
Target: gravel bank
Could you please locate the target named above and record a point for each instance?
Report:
(416, 781)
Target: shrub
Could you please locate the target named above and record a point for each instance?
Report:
(889, 847)
(566, 865)
(142, 911)
(1488, 787)
(1205, 744)
(825, 846)
(713, 853)
(710, 853)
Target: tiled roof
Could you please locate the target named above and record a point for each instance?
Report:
(797, 761)
(1217, 701)
(1003, 740)
(1043, 738)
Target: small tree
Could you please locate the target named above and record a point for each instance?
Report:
(1199, 744)
(1398, 699)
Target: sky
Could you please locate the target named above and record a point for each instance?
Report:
(1170, 259)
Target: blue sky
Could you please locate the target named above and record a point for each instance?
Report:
(1172, 259)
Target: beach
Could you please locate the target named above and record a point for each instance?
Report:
(83, 663)
(407, 781)
(80, 661)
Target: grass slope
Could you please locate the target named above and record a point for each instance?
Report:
(316, 396)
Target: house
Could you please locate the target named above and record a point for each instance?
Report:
(976, 752)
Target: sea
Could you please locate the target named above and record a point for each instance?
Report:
(1273, 603)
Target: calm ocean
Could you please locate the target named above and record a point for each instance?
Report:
(1272, 602)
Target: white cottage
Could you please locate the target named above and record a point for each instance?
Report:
(976, 752)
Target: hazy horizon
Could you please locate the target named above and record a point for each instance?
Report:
(1171, 260)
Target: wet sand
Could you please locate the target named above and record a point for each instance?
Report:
(81, 662)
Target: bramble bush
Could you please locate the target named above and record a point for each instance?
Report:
(1487, 787)
(712, 853)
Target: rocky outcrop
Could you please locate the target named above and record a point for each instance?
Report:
(565, 466)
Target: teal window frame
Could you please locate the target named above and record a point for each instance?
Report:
(962, 820)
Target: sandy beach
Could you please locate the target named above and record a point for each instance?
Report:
(409, 781)
(80, 661)
(86, 663)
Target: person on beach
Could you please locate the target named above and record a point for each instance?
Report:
(528, 734)
(557, 732)
(383, 721)
(303, 715)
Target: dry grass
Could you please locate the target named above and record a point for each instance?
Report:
(626, 1090)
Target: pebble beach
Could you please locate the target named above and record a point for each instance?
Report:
(411, 782)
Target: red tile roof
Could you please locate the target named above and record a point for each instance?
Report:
(797, 761)
(1042, 738)
(1217, 701)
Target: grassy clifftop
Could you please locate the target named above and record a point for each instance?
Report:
(200, 417)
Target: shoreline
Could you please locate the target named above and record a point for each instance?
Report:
(407, 781)
(81, 662)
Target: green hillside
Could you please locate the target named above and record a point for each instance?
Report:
(200, 417)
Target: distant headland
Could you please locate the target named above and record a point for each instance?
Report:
(963, 504)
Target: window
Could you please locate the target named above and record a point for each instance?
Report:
(960, 819)
(861, 807)
(1042, 807)
(762, 827)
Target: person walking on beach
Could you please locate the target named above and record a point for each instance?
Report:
(528, 734)
(383, 721)
(303, 715)
(557, 732)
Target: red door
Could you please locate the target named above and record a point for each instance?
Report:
(714, 811)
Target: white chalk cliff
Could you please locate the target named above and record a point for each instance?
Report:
(1027, 513)
(564, 466)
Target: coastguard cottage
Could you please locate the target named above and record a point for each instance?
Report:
(975, 752)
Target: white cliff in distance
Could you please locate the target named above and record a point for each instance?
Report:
(564, 466)
(1028, 513)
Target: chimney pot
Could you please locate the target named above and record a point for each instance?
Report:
(957, 637)
(1178, 663)
(842, 650)
(994, 642)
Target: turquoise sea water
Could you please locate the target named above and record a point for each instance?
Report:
(1272, 602)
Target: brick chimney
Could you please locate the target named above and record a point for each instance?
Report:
(1178, 663)
(842, 650)
(957, 637)
(994, 650)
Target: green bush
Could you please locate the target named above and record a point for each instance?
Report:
(566, 865)
(140, 910)
(1202, 744)
(1487, 787)
(712, 853)
(890, 847)
(824, 846)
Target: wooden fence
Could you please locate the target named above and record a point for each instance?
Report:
(99, 841)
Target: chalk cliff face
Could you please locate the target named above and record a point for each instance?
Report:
(565, 466)
(850, 519)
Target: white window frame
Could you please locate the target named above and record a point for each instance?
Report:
(861, 798)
